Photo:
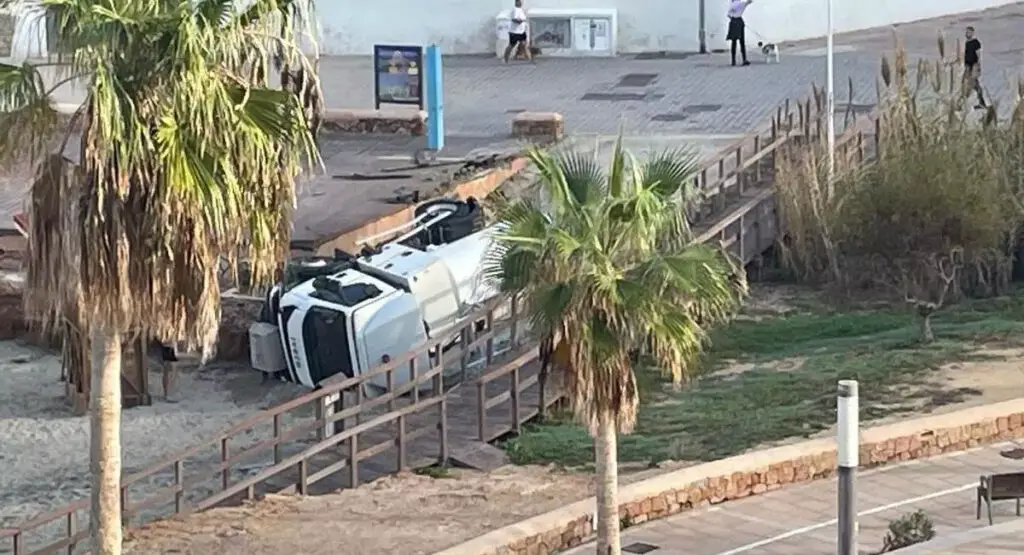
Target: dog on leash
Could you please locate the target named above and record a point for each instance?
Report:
(770, 51)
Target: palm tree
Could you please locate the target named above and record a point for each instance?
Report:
(606, 269)
(185, 158)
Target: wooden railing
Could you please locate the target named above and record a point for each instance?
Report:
(215, 474)
(729, 223)
(519, 378)
(190, 481)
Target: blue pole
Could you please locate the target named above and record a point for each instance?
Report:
(435, 98)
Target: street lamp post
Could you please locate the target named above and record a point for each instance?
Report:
(830, 98)
(848, 457)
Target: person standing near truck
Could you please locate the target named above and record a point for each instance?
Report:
(517, 32)
(972, 67)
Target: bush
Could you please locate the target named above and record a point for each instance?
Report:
(935, 214)
(906, 531)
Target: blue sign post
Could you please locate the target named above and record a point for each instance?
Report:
(435, 98)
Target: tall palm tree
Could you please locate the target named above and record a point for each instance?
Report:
(185, 157)
(607, 269)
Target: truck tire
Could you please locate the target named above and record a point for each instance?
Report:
(466, 217)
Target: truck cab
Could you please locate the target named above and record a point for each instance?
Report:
(374, 308)
(344, 323)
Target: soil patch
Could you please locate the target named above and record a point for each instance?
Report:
(405, 514)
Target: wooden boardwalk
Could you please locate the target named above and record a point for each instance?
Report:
(462, 422)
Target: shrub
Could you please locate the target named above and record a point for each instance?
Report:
(906, 531)
(933, 215)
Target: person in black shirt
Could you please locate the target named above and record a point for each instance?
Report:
(972, 66)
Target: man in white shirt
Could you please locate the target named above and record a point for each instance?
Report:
(738, 29)
(517, 33)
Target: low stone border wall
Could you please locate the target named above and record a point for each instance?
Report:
(752, 474)
(541, 126)
(376, 122)
(237, 313)
(478, 188)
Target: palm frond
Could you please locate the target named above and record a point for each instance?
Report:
(613, 273)
(671, 172)
(617, 171)
(584, 179)
(187, 160)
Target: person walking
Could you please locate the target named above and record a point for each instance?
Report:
(738, 29)
(517, 33)
(972, 67)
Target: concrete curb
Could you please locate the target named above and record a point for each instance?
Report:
(478, 187)
(752, 474)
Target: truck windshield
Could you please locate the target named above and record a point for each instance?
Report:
(325, 334)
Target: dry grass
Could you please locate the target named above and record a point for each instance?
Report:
(937, 211)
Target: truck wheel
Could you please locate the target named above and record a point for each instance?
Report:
(464, 220)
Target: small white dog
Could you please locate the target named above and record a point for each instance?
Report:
(770, 51)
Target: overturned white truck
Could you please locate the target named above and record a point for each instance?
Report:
(352, 313)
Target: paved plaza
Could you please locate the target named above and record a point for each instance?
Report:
(687, 96)
(800, 520)
(690, 96)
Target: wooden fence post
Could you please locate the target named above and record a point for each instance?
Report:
(481, 410)
(225, 473)
(444, 432)
(401, 443)
(514, 379)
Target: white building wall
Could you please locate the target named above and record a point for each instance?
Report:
(29, 37)
(467, 26)
(458, 26)
(352, 27)
(783, 20)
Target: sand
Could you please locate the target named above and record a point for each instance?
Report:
(405, 514)
(44, 448)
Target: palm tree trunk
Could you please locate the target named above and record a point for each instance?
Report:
(608, 541)
(105, 443)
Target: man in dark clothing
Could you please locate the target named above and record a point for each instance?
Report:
(737, 29)
(972, 67)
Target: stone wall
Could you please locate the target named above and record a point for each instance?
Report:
(376, 122)
(753, 474)
(479, 187)
(12, 316)
(237, 314)
(539, 126)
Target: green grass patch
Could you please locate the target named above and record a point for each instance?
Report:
(790, 390)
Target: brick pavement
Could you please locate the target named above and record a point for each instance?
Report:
(799, 520)
(702, 94)
(481, 93)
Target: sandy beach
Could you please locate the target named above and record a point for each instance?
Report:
(44, 448)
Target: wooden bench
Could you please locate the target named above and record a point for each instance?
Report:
(377, 122)
(1000, 487)
(538, 126)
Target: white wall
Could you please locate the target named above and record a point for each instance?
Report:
(29, 40)
(458, 26)
(467, 26)
(783, 20)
